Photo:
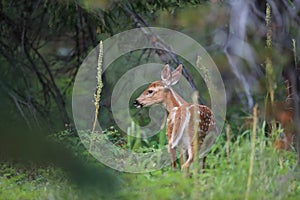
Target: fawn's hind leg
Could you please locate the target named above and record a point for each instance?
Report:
(186, 165)
(172, 152)
(183, 156)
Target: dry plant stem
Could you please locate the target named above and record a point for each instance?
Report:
(296, 105)
(295, 51)
(268, 24)
(98, 93)
(269, 67)
(263, 168)
(270, 74)
(196, 150)
(253, 141)
(228, 140)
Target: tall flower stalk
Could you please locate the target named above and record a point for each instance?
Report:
(97, 95)
(269, 68)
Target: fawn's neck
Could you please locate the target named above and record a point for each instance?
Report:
(172, 99)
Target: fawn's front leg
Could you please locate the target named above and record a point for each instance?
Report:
(172, 151)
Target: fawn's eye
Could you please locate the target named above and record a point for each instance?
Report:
(149, 92)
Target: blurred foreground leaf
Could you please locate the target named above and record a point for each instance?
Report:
(22, 145)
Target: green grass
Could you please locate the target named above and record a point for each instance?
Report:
(226, 176)
(274, 176)
(16, 182)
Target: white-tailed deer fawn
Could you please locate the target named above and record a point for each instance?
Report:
(181, 127)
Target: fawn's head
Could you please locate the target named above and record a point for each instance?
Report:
(156, 91)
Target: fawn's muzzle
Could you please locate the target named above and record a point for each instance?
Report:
(137, 104)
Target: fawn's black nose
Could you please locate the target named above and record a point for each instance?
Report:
(137, 104)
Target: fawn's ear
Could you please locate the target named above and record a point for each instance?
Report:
(176, 74)
(166, 75)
